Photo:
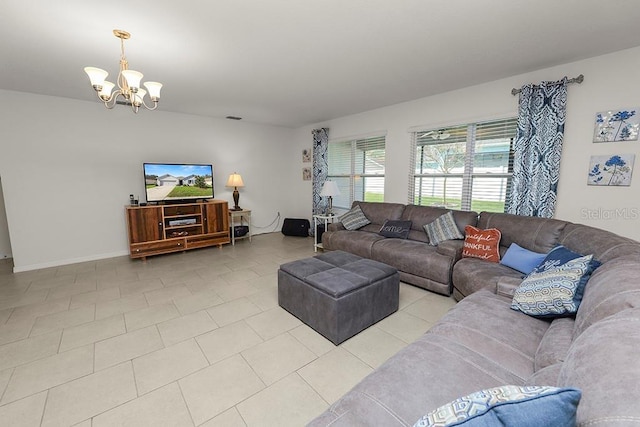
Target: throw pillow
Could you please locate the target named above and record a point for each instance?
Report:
(554, 292)
(354, 219)
(522, 259)
(509, 405)
(558, 256)
(443, 228)
(483, 244)
(397, 229)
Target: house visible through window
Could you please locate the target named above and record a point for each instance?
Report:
(357, 166)
(465, 167)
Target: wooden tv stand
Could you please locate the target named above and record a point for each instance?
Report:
(161, 229)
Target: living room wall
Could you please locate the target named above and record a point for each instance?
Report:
(68, 167)
(610, 82)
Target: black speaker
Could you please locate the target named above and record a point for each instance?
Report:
(240, 230)
(295, 227)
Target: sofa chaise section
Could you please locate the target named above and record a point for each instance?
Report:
(482, 343)
(532, 233)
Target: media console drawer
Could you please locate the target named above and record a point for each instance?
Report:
(161, 246)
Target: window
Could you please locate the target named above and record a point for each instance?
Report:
(465, 167)
(357, 166)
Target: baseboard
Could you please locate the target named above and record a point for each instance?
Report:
(58, 263)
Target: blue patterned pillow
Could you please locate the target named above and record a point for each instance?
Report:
(354, 219)
(443, 228)
(560, 255)
(509, 405)
(554, 292)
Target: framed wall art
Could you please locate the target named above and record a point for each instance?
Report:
(306, 174)
(614, 170)
(621, 125)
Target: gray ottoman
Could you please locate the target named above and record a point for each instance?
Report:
(338, 294)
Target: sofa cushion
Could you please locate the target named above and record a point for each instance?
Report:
(415, 258)
(542, 234)
(508, 405)
(604, 245)
(553, 292)
(355, 242)
(603, 363)
(473, 274)
(484, 324)
(443, 228)
(395, 228)
(522, 259)
(354, 219)
(555, 343)
(613, 287)
(483, 244)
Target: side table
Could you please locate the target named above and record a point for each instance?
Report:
(242, 217)
(320, 219)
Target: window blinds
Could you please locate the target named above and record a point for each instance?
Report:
(358, 167)
(464, 167)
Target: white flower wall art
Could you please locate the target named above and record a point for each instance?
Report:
(612, 170)
(621, 125)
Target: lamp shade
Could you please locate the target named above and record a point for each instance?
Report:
(330, 189)
(235, 180)
(96, 75)
(154, 90)
(133, 78)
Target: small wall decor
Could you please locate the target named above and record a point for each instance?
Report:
(621, 125)
(306, 155)
(306, 174)
(612, 170)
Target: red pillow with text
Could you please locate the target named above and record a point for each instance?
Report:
(483, 244)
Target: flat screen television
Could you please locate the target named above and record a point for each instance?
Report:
(177, 182)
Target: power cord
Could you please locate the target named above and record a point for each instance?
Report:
(276, 221)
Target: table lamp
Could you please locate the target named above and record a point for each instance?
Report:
(330, 189)
(235, 181)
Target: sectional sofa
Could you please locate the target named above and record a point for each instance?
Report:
(482, 343)
(419, 264)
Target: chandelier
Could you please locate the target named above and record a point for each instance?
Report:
(128, 81)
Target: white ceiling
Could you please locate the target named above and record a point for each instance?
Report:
(297, 62)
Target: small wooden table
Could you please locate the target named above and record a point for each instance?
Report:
(242, 217)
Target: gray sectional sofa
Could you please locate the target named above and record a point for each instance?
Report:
(482, 343)
(419, 264)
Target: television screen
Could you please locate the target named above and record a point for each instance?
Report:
(165, 182)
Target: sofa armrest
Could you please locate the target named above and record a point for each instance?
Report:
(507, 285)
(335, 226)
(451, 248)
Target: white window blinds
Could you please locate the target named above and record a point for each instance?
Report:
(465, 167)
(358, 167)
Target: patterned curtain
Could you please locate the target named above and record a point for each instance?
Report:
(537, 149)
(320, 167)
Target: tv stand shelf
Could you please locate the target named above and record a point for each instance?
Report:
(161, 229)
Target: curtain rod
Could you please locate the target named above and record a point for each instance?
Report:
(578, 80)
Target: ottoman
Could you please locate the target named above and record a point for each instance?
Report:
(338, 294)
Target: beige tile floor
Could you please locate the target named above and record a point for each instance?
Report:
(189, 339)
